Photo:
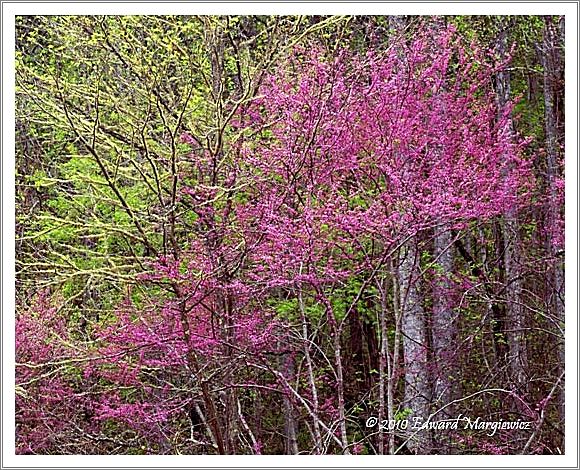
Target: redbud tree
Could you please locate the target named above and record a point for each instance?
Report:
(340, 160)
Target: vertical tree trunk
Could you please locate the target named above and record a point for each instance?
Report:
(291, 443)
(383, 357)
(552, 46)
(443, 322)
(417, 395)
(339, 381)
(444, 333)
(388, 365)
(317, 436)
(385, 372)
(515, 319)
(443, 325)
(414, 330)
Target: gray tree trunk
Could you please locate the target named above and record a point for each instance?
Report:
(515, 318)
(417, 395)
(291, 444)
(413, 325)
(444, 335)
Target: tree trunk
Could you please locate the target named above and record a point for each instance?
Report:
(339, 382)
(417, 394)
(414, 330)
(317, 436)
(444, 334)
(443, 326)
(552, 47)
(386, 373)
(291, 443)
(515, 320)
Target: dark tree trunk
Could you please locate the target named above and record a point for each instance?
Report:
(552, 53)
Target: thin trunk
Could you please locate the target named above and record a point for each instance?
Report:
(340, 387)
(311, 379)
(393, 365)
(388, 366)
(384, 363)
(255, 445)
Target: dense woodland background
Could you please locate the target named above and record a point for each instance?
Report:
(244, 235)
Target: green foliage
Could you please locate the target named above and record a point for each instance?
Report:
(403, 414)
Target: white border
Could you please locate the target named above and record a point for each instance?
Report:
(571, 220)
(290, 8)
(10, 10)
